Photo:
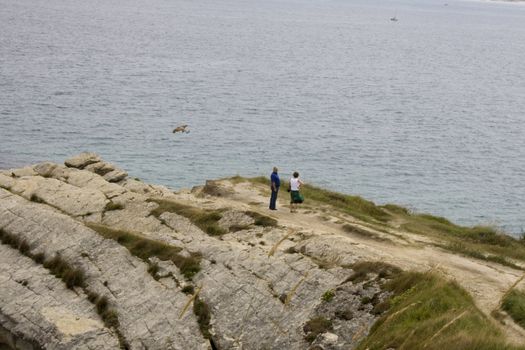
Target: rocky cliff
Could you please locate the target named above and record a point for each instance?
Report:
(93, 259)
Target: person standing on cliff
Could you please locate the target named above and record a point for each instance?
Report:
(275, 184)
(295, 196)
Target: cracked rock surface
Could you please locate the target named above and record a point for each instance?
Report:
(258, 285)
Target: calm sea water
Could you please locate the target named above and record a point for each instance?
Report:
(427, 112)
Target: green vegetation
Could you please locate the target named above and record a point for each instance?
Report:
(146, 248)
(316, 326)
(206, 220)
(362, 269)
(202, 311)
(108, 315)
(480, 242)
(514, 305)
(262, 220)
(328, 296)
(188, 289)
(353, 205)
(35, 198)
(72, 277)
(113, 206)
(463, 249)
(432, 313)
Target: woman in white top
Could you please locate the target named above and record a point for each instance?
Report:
(295, 195)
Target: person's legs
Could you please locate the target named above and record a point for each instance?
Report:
(273, 200)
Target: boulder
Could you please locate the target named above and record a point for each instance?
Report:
(6, 181)
(100, 168)
(45, 169)
(26, 171)
(214, 188)
(82, 160)
(115, 175)
(69, 199)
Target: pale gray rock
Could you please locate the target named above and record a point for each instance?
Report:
(100, 168)
(82, 160)
(212, 188)
(67, 198)
(45, 169)
(235, 218)
(260, 293)
(149, 314)
(25, 171)
(137, 186)
(86, 179)
(37, 308)
(115, 175)
(6, 181)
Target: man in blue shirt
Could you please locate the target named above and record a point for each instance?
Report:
(276, 183)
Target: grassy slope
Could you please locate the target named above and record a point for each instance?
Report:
(514, 305)
(428, 312)
(479, 242)
(426, 304)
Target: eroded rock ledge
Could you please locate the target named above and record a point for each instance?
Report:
(139, 269)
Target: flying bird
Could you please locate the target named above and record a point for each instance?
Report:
(182, 129)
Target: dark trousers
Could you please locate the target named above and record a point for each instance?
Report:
(273, 198)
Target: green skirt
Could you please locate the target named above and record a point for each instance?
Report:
(296, 197)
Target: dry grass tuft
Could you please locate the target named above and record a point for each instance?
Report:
(206, 220)
(146, 248)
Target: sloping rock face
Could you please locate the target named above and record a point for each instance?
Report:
(256, 287)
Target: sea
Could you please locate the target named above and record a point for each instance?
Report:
(415, 102)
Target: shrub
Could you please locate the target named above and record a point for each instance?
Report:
(202, 311)
(188, 289)
(328, 295)
(514, 305)
(362, 269)
(206, 220)
(316, 326)
(145, 248)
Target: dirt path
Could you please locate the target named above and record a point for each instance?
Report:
(487, 282)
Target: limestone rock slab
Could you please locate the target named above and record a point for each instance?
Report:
(82, 160)
(37, 308)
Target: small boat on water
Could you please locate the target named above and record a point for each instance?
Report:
(394, 19)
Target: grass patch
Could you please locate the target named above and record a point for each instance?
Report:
(262, 220)
(146, 248)
(206, 220)
(514, 305)
(188, 289)
(71, 276)
(316, 326)
(432, 313)
(328, 296)
(202, 311)
(363, 268)
(463, 249)
(113, 206)
(35, 198)
(108, 315)
(493, 245)
(353, 205)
